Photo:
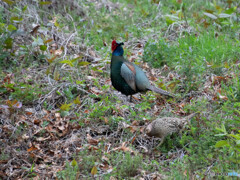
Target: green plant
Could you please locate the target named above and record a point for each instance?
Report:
(25, 93)
(71, 171)
(30, 171)
(127, 164)
(233, 88)
(159, 53)
(231, 143)
(3, 155)
(5, 44)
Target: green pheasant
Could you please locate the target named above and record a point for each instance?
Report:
(127, 77)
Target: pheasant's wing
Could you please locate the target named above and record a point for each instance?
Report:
(128, 73)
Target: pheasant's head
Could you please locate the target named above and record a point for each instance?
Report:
(117, 49)
(148, 130)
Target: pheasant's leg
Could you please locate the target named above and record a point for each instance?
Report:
(161, 142)
(130, 98)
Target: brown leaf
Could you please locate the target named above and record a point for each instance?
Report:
(95, 91)
(25, 136)
(153, 78)
(112, 178)
(139, 45)
(14, 104)
(52, 59)
(104, 43)
(185, 173)
(218, 80)
(165, 68)
(133, 139)
(215, 98)
(105, 120)
(32, 148)
(54, 20)
(134, 97)
(50, 129)
(42, 138)
(8, 79)
(104, 166)
(182, 105)
(124, 148)
(35, 29)
(92, 53)
(28, 113)
(37, 121)
(86, 111)
(47, 41)
(108, 82)
(135, 123)
(133, 129)
(171, 76)
(57, 115)
(58, 52)
(92, 148)
(105, 159)
(91, 140)
(3, 162)
(223, 97)
(145, 66)
(32, 155)
(142, 129)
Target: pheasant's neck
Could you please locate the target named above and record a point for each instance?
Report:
(118, 51)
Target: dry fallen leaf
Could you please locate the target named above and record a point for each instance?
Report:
(218, 80)
(124, 148)
(57, 115)
(86, 111)
(52, 59)
(54, 20)
(35, 29)
(91, 140)
(171, 76)
(95, 91)
(9, 79)
(58, 52)
(32, 148)
(43, 139)
(25, 136)
(223, 97)
(185, 173)
(133, 129)
(135, 123)
(37, 121)
(133, 139)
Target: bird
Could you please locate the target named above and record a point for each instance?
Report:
(167, 125)
(128, 78)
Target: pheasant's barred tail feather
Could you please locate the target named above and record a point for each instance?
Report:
(189, 117)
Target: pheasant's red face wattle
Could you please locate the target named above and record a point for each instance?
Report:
(114, 45)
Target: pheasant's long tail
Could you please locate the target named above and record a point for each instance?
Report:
(160, 91)
(191, 115)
